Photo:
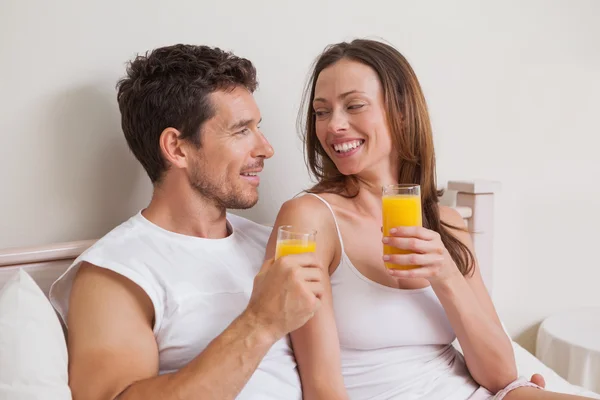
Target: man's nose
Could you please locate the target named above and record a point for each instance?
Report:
(263, 148)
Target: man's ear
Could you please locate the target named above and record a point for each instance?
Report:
(173, 148)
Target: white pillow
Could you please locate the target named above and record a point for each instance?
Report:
(33, 351)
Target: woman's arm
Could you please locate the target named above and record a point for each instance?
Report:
(316, 344)
(487, 349)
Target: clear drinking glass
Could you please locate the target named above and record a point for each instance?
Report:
(292, 240)
(401, 207)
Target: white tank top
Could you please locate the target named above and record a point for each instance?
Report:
(395, 343)
(197, 287)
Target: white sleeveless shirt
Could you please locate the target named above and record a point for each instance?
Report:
(394, 343)
(197, 287)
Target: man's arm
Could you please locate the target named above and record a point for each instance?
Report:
(112, 349)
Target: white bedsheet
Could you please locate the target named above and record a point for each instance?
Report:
(528, 365)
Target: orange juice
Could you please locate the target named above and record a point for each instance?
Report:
(294, 246)
(400, 210)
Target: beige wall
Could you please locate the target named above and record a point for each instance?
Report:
(513, 87)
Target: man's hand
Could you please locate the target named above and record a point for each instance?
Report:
(286, 293)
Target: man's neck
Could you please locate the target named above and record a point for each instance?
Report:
(184, 211)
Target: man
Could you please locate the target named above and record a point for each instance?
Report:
(171, 304)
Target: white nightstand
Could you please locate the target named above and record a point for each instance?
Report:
(569, 343)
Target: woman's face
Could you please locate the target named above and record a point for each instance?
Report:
(351, 123)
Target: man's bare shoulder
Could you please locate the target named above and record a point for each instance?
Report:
(92, 282)
(110, 341)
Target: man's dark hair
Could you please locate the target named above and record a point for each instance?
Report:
(171, 87)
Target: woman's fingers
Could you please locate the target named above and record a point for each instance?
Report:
(413, 244)
(422, 272)
(414, 231)
(538, 380)
(413, 259)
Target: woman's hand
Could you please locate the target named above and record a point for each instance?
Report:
(426, 251)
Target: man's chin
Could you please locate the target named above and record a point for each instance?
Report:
(245, 206)
(252, 201)
(244, 201)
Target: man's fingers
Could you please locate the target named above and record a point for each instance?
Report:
(266, 265)
(316, 288)
(303, 260)
(310, 274)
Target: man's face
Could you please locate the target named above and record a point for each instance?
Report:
(232, 151)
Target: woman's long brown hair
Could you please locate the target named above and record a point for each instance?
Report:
(410, 127)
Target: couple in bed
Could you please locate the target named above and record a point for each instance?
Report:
(178, 302)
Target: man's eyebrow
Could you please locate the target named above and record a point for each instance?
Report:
(243, 123)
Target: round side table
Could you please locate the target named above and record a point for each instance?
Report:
(569, 343)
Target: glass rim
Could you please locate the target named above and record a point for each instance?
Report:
(401, 186)
(294, 231)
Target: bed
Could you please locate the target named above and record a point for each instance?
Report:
(474, 200)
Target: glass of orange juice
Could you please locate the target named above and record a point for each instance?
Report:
(401, 207)
(291, 240)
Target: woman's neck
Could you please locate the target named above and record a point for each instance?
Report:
(373, 179)
(370, 185)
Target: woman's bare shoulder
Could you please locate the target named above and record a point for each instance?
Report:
(306, 210)
(310, 213)
(307, 205)
(457, 225)
(451, 217)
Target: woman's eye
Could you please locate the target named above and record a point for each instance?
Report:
(355, 106)
(321, 113)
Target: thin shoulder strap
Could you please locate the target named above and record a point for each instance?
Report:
(337, 227)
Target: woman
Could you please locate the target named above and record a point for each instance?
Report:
(387, 334)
